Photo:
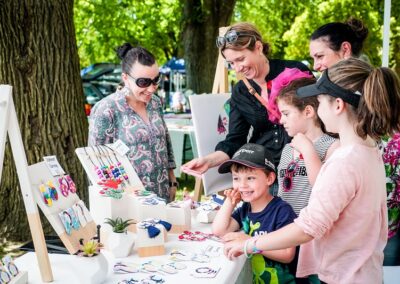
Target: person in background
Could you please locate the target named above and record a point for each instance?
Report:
(346, 218)
(245, 51)
(134, 115)
(336, 41)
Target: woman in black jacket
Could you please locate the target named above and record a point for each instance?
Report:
(243, 48)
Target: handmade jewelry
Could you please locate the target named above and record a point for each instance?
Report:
(74, 219)
(128, 281)
(119, 166)
(71, 184)
(124, 267)
(96, 168)
(5, 277)
(82, 213)
(66, 221)
(10, 266)
(197, 236)
(205, 272)
(47, 195)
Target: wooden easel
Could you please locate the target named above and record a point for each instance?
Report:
(9, 124)
(220, 86)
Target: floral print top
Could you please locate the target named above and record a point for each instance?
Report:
(391, 158)
(150, 150)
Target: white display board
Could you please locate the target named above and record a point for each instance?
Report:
(210, 120)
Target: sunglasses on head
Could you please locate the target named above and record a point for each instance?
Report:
(145, 82)
(230, 37)
(287, 182)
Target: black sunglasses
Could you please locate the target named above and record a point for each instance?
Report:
(230, 37)
(287, 182)
(145, 82)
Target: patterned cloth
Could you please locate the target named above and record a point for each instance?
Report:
(150, 149)
(391, 158)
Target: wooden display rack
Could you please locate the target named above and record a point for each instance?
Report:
(9, 124)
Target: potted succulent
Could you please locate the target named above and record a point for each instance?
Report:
(96, 265)
(120, 240)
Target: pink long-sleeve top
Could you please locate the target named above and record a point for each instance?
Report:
(347, 216)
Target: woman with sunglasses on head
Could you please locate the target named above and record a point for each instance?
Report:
(346, 217)
(245, 51)
(134, 115)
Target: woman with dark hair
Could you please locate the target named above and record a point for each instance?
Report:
(336, 41)
(243, 48)
(134, 115)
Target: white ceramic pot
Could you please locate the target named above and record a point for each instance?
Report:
(91, 270)
(120, 244)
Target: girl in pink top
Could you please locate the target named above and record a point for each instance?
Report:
(346, 218)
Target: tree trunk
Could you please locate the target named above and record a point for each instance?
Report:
(201, 20)
(38, 57)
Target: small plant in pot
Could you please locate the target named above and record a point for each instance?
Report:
(120, 241)
(94, 266)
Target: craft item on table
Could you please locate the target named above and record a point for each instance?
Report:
(110, 188)
(151, 237)
(126, 267)
(207, 211)
(150, 225)
(82, 213)
(178, 213)
(217, 200)
(152, 200)
(143, 192)
(129, 281)
(153, 279)
(180, 255)
(205, 272)
(197, 236)
(176, 265)
(212, 251)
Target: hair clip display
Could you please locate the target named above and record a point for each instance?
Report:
(179, 255)
(66, 185)
(69, 220)
(150, 225)
(205, 272)
(49, 193)
(82, 213)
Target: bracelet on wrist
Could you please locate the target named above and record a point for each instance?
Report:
(254, 249)
(245, 249)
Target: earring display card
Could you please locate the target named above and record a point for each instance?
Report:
(64, 210)
(96, 157)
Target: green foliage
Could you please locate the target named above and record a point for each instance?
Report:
(118, 225)
(103, 25)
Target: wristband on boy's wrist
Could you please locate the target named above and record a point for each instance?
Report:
(245, 248)
(254, 249)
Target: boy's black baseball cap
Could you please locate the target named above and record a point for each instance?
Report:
(251, 155)
(325, 86)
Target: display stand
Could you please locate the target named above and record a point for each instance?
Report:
(39, 174)
(9, 124)
(220, 86)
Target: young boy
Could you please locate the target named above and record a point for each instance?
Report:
(253, 173)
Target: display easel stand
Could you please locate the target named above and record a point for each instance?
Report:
(9, 124)
(220, 86)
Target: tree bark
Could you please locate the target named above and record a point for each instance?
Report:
(39, 58)
(201, 21)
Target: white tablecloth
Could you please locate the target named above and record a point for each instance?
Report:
(63, 265)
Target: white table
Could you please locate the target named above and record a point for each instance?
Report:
(63, 265)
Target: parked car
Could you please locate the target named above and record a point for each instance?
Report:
(99, 80)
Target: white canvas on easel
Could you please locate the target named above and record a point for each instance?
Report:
(9, 124)
(210, 121)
